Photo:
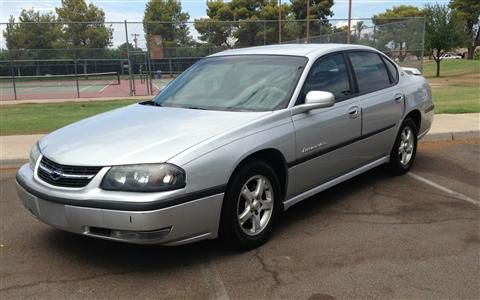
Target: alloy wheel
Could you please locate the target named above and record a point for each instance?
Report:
(405, 149)
(255, 205)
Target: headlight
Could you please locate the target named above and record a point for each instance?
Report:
(34, 155)
(144, 178)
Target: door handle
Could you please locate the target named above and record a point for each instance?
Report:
(398, 97)
(354, 112)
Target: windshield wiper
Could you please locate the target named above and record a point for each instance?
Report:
(150, 103)
(179, 106)
(193, 107)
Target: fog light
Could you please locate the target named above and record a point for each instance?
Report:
(153, 235)
(128, 235)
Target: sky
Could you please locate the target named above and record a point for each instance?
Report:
(132, 10)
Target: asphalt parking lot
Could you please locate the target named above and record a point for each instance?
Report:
(376, 236)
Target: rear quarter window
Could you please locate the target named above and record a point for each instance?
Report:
(392, 69)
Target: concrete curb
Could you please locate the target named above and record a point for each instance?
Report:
(431, 137)
(12, 163)
(451, 136)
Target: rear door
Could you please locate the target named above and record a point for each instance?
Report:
(381, 101)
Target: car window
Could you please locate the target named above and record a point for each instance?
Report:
(329, 74)
(370, 71)
(235, 83)
(392, 69)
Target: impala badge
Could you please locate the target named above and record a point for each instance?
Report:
(311, 148)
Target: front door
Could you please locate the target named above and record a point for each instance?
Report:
(325, 138)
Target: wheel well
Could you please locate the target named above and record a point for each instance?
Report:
(416, 117)
(275, 159)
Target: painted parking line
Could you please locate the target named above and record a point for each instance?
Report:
(444, 189)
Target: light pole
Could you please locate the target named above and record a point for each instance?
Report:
(349, 20)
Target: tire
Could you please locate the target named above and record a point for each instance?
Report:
(404, 150)
(258, 213)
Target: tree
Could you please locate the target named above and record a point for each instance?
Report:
(33, 31)
(131, 47)
(396, 31)
(319, 10)
(249, 32)
(216, 29)
(34, 36)
(443, 31)
(233, 23)
(13, 35)
(358, 28)
(84, 24)
(251, 22)
(84, 28)
(166, 18)
(336, 34)
(469, 11)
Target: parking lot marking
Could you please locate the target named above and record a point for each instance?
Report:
(444, 189)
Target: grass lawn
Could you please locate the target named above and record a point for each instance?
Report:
(452, 67)
(43, 118)
(457, 90)
(456, 99)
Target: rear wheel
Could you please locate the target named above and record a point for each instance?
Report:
(251, 205)
(404, 149)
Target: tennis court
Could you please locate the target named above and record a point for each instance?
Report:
(92, 85)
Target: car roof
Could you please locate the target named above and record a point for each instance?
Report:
(307, 50)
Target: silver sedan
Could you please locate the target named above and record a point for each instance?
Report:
(225, 147)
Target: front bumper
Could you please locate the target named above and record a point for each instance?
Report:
(178, 224)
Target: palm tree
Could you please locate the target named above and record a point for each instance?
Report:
(359, 26)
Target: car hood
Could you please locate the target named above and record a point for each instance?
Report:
(138, 134)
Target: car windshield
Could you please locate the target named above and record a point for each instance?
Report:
(239, 83)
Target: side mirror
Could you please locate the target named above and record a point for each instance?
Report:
(314, 100)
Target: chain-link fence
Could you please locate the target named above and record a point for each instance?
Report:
(138, 58)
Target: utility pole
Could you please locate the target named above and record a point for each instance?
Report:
(279, 21)
(308, 22)
(349, 20)
(135, 39)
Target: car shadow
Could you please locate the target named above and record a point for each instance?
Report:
(124, 257)
(334, 196)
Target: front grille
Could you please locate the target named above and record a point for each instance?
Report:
(65, 176)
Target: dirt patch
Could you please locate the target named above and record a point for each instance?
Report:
(465, 79)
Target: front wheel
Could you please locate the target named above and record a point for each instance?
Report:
(251, 205)
(404, 150)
